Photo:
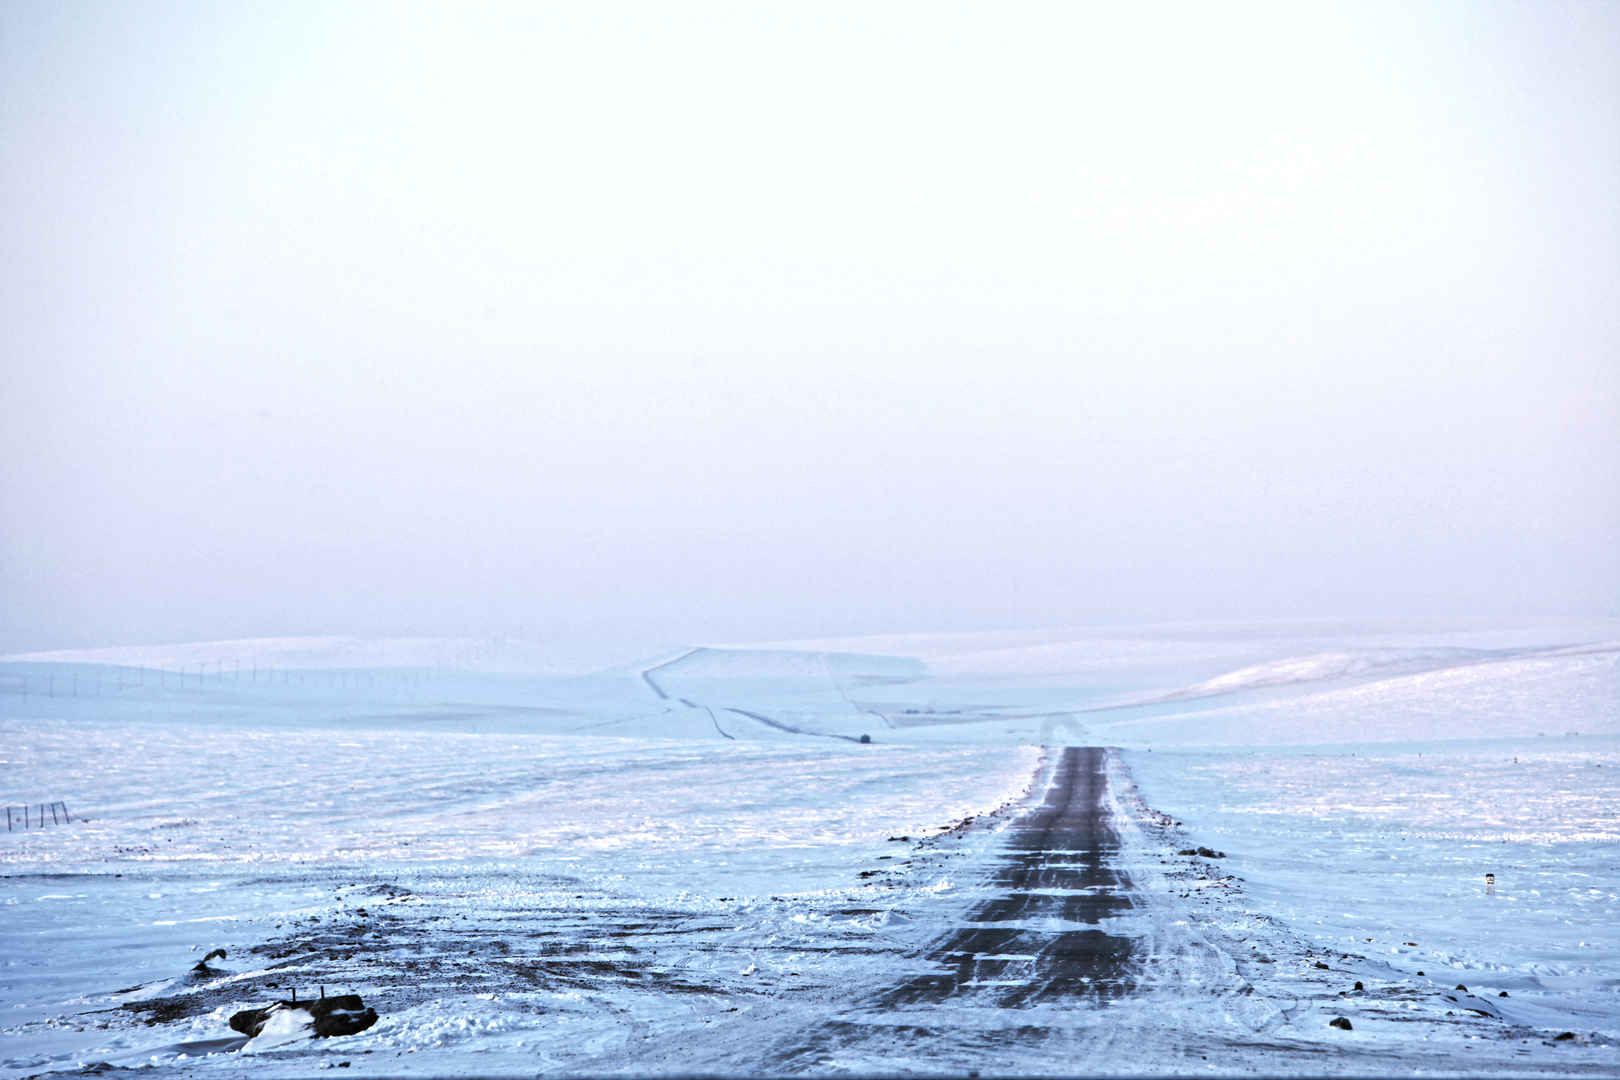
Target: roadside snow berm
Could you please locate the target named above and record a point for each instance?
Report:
(341, 1014)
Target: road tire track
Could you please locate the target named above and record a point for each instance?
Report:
(789, 728)
(647, 673)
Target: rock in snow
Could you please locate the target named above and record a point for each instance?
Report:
(342, 1014)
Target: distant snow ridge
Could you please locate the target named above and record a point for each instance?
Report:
(729, 662)
(1335, 665)
(1166, 654)
(1361, 664)
(1568, 691)
(320, 653)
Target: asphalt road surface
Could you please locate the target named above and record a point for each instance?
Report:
(1039, 942)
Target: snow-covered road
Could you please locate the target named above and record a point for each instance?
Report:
(1036, 938)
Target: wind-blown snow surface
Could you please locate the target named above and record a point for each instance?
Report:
(688, 864)
(231, 838)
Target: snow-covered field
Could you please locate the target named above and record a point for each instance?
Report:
(532, 863)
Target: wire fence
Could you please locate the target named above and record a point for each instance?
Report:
(27, 681)
(111, 681)
(32, 815)
(107, 680)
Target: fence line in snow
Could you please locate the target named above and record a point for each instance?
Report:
(27, 816)
(102, 680)
(111, 681)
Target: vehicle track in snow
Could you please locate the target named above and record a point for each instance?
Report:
(759, 718)
(666, 696)
(778, 725)
(647, 673)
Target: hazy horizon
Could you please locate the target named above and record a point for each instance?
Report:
(699, 322)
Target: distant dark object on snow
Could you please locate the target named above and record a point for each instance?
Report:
(866, 738)
(341, 1014)
(1341, 1023)
(1208, 853)
(1565, 1037)
(201, 967)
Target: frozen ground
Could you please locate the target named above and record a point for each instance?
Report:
(694, 864)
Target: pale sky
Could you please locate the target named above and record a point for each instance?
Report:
(683, 322)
